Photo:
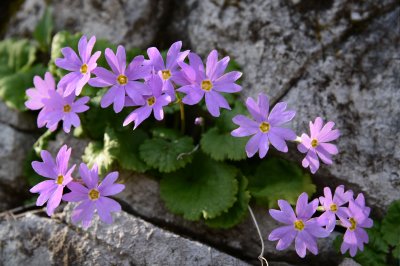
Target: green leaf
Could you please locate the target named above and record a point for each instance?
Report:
(42, 32)
(128, 153)
(376, 241)
(15, 56)
(237, 212)
(166, 154)
(43, 141)
(390, 225)
(14, 86)
(218, 142)
(371, 257)
(205, 188)
(221, 145)
(279, 179)
(102, 153)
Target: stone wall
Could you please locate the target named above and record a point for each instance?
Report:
(335, 59)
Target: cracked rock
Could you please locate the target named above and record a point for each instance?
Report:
(133, 23)
(34, 240)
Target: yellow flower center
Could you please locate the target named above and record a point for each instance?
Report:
(333, 207)
(122, 79)
(60, 180)
(84, 69)
(94, 194)
(353, 224)
(151, 101)
(314, 143)
(166, 74)
(206, 85)
(264, 127)
(67, 108)
(299, 225)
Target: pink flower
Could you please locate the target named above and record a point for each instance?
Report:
(93, 196)
(317, 144)
(81, 67)
(59, 175)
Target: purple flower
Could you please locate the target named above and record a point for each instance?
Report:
(266, 127)
(65, 108)
(299, 227)
(154, 103)
(316, 145)
(81, 67)
(123, 80)
(59, 175)
(40, 92)
(169, 71)
(93, 196)
(198, 82)
(333, 206)
(356, 220)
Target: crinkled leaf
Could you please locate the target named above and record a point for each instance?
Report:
(390, 225)
(128, 152)
(371, 257)
(14, 86)
(16, 55)
(205, 188)
(42, 32)
(221, 145)
(165, 133)
(167, 155)
(376, 241)
(237, 212)
(102, 153)
(279, 179)
(218, 141)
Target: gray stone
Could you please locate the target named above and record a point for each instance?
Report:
(25, 121)
(335, 59)
(34, 240)
(133, 23)
(358, 87)
(143, 198)
(77, 145)
(349, 262)
(14, 147)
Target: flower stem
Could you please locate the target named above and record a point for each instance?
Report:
(182, 109)
(261, 256)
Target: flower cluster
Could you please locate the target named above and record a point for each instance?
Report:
(86, 190)
(148, 84)
(304, 227)
(267, 127)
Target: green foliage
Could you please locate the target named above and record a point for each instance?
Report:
(237, 212)
(205, 188)
(103, 153)
(165, 154)
(218, 143)
(391, 225)
(17, 71)
(43, 141)
(42, 32)
(279, 179)
(128, 152)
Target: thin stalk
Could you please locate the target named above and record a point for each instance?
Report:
(261, 256)
(182, 109)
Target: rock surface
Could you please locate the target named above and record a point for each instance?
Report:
(133, 23)
(24, 121)
(333, 59)
(14, 146)
(34, 240)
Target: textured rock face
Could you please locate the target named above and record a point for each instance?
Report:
(134, 23)
(129, 241)
(20, 120)
(331, 59)
(14, 146)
